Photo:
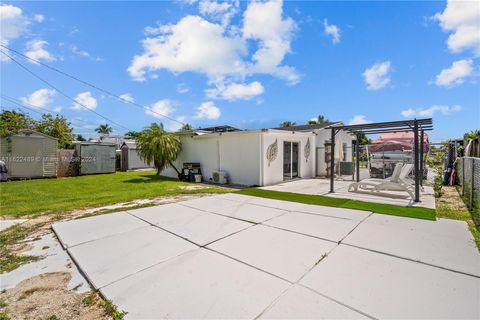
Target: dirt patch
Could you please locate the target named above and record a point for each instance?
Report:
(47, 295)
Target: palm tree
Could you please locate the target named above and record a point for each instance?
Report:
(104, 129)
(472, 136)
(186, 127)
(287, 124)
(320, 120)
(156, 145)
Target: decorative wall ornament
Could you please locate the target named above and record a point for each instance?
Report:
(306, 150)
(272, 152)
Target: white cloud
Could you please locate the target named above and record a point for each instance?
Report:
(182, 88)
(332, 31)
(86, 99)
(161, 108)
(220, 50)
(127, 97)
(219, 10)
(40, 98)
(35, 50)
(236, 91)
(358, 119)
(462, 20)
(377, 76)
(79, 52)
(456, 74)
(208, 110)
(39, 18)
(429, 112)
(12, 23)
(264, 22)
(193, 44)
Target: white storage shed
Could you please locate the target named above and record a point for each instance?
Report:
(29, 154)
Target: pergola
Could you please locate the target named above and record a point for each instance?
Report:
(417, 126)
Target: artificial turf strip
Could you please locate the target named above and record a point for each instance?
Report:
(390, 209)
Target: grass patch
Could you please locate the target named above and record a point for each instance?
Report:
(451, 206)
(43, 196)
(12, 262)
(410, 212)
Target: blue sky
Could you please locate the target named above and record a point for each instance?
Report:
(249, 64)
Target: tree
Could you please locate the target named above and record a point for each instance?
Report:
(104, 129)
(287, 124)
(472, 136)
(80, 138)
(362, 139)
(57, 127)
(320, 120)
(132, 134)
(186, 127)
(155, 145)
(11, 122)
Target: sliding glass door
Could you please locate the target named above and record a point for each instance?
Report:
(290, 160)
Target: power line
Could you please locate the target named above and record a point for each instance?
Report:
(92, 85)
(28, 106)
(61, 92)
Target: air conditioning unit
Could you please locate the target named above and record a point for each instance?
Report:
(220, 177)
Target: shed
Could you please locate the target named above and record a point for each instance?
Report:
(95, 157)
(29, 154)
(130, 159)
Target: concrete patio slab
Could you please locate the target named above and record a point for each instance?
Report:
(197, 226)
(343, 213)
(249, 212)
(236, 197)
(74, 232)
(278, 204)
(209, 203)
(387, 287)
(328, 228)
(444, 243)
(198, 284)
(112, 258)
(320, 186)
(302, 303)
(285, 254)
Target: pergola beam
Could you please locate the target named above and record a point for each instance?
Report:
(416, 125)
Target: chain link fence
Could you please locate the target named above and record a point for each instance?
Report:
(468, 169)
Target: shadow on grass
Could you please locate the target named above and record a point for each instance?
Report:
(151, 178)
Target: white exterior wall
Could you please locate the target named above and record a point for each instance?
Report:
(135, 162)
(273, 173)
(236, 153)
(324, 135)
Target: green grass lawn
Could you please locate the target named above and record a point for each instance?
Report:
(40, 196)
(411, 212)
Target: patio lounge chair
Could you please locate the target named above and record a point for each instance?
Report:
(399, 181)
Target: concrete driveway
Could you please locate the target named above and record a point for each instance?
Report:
(231, 256)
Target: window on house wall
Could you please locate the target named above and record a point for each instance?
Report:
(344, 151)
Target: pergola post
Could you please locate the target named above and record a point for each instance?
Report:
(357, 158)
(421, 157)
(416, 161)
(332, 160)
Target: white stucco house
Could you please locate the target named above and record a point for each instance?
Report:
(263, 157)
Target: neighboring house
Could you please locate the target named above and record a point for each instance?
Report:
(260, 157)
(29, 154)
(95, 157)
(130, 159)
(115, 139)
